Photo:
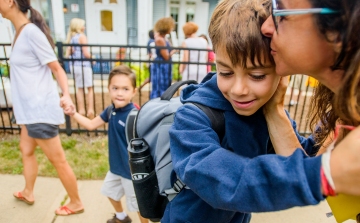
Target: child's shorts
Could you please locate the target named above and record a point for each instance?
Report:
(116, 186)
(81, 79)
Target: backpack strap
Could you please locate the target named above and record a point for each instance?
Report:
(169, 93)
(216, 117)
(217, 120)
(109, 111)
(130, 125)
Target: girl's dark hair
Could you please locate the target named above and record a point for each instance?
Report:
(124, 70)
(344, 106)
(36, 18)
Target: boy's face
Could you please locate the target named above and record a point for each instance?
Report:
(246, 89)
(121, 90)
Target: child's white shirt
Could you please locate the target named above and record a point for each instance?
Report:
(34, 92)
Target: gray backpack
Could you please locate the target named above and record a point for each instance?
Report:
(151, 124)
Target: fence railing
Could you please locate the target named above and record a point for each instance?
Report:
(105, 57)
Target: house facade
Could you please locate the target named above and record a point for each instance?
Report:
(124, 21)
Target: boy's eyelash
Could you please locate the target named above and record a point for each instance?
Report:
(257, 77)
(226, 74)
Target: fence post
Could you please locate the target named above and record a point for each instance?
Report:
(60, 52)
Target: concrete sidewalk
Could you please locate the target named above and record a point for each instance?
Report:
(49, 193)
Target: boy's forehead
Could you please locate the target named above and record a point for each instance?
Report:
(224, 58)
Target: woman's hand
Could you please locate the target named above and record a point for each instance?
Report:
(281, 131)
(277, 100)
(67, 104)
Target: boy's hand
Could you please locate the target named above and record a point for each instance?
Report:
(68, 106)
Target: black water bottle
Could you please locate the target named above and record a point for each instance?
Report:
(151, 204)
(141, 162)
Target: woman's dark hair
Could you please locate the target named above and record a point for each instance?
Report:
(36, 18)
(342, 28)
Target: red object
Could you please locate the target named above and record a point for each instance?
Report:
(327, 189)
(136, 106)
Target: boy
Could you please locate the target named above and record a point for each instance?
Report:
(230, 177)
(117, 183)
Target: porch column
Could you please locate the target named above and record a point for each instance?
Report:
(145, 23)
(58, 18)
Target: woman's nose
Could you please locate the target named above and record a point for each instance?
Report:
(268, 27)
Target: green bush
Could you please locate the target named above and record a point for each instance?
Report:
(176, 73)
(142, 73)
(4, 72)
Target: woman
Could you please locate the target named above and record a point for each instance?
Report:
(211, 54)
(36, 100)
(321, 39)
(193, 71)
(161, 73)
(81, 70)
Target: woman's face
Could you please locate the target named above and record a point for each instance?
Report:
(5, 6)
(297, 46)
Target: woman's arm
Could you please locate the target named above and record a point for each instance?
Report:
(89, 124)
(160, 41)
(281, 131)
(62, 80)
(83, 40)
(185, 58)
(231, 181)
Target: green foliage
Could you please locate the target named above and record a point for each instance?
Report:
(142, 72)
(4, 70)
(175, 72)
(69, 143)
(87, 156)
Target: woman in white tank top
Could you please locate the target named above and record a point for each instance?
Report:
(193, 71)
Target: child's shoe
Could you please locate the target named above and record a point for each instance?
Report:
(127, 219)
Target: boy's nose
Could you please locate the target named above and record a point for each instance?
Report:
(268, 27)
(240, 87)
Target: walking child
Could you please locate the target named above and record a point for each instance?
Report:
(81, 70)
(117, 183)
(229, 178)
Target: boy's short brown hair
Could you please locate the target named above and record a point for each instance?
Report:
(164, 25)
(190, 28)
(235, 25)
(123, 70)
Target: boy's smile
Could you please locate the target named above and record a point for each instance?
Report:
(247, 89)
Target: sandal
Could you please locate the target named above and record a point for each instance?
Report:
(67, 211)
(22, 198)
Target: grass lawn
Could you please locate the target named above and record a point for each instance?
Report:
(87, 155)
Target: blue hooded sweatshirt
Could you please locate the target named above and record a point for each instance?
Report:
(229, 180)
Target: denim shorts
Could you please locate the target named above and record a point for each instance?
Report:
(42, 130)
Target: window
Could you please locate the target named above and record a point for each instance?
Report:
(174, 13)
(106, 20)
(190, 11)
(98, 1)
(113, 1)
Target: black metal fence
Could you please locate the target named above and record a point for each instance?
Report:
(105, 57)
